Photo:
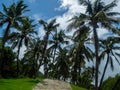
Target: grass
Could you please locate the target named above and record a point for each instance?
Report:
(24, 84)
(18, 84)
(77, 88)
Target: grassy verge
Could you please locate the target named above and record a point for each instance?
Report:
(24, 84)
(18, 84)
(76, 87)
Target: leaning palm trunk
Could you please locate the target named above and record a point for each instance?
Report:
(18, 56)
(34, 68)
(96, 56)
(54, 55)
(44, 59)
(18, 61)
(101, 81)
(4, 39)
(6, 34)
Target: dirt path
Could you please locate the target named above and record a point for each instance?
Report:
(48, 84)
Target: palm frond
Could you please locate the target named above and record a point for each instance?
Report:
(89, 8)
(111, 63)
(110, 6)
(112, 13)
(5, 9)
(43, 23)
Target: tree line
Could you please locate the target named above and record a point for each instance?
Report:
(63, 57)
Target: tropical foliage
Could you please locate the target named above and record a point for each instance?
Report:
(61, 56)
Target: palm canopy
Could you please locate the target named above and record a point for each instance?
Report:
(58, 39)
(110, 46)
(12, 15)
(109, 49)
(13, 12)
(25, 33)
(48, 27)
(97, 14)
(22, 37)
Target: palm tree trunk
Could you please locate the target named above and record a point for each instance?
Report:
(34, 71)
(18, 61)
(35, 66)
(54, 55)
(4, 39)
(43, 54)
(96, 56)
(6, 34)
(18, 56)
(101, 81)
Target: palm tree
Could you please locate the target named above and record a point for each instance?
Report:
(87, 77)
(109, 49)
(48, 27)
(23, 36)
(58, 39)
(61, 69)
(34, 53)
(80, 51)
(97, 14)
(11, 15)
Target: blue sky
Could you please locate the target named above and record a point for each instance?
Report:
(43, 8)
(39, 9)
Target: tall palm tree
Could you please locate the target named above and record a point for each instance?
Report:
(109, 48)
(11, 15)
(97, 14)
(80, 52)
(48, 27)
(23, 36)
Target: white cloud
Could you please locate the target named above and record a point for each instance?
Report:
(36, 16)
(101, 32)
(41, 32)
(22, 51)
(72, 6)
